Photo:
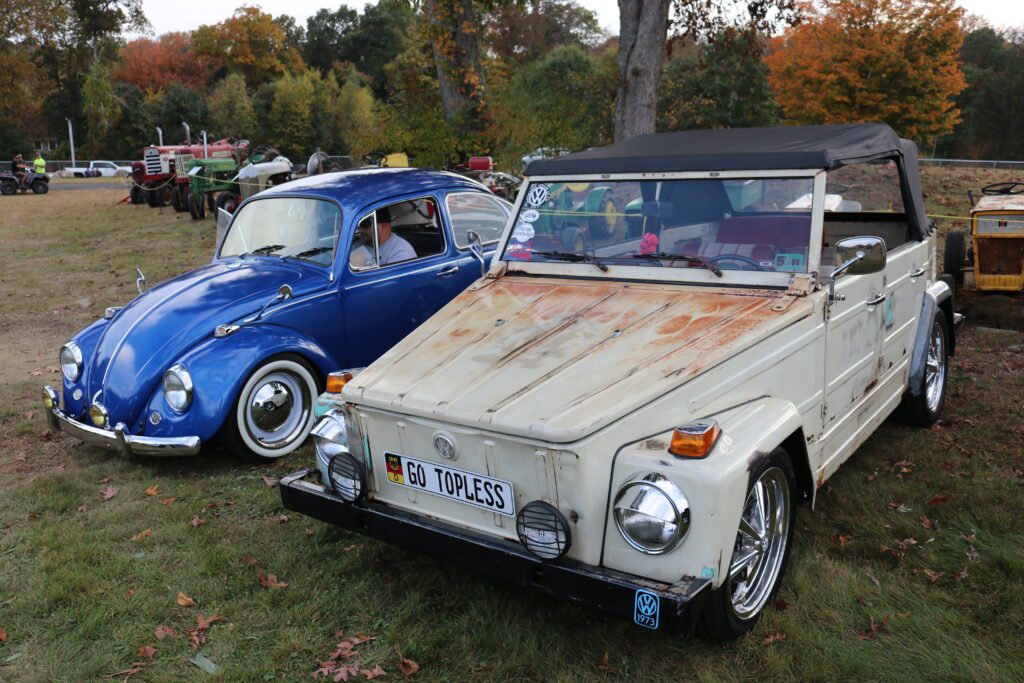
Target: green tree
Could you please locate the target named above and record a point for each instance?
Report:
(100, 107)
(325, 32)
(231, 110)
(292, 113)
(357, 119)
(380, 34)
(179, 104)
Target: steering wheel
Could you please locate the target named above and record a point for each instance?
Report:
(735, 257)
(374, 158)
(1004, 188)
(835, 188)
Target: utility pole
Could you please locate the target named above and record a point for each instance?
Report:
(71, 136)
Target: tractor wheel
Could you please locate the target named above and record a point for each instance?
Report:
(200, 204)
(228, 201)
(176, 200)
(190, 200)
(155, 197)
(607, 224)
(40, 187)
(8, 188)
(954, 256)
(135, 195)
(211, 204)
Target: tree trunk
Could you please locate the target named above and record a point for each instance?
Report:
(460, 75)
(643, 29)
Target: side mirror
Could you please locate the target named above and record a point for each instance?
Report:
(859, 256)
(476, 247)
(140, 281)
(284, 292)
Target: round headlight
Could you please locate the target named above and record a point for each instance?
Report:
(348, 477)
(71, 361)
(543, 530)
(99, 415)
(177, 384)
(652, 514)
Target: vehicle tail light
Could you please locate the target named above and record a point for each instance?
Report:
(336, 381)
(694, 440)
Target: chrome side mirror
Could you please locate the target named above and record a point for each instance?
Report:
(476, 247)
(856, 256)
(284, 292)
(140, 281)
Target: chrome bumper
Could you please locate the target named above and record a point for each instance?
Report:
(118, 438)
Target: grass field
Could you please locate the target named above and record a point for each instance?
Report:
(919, 533)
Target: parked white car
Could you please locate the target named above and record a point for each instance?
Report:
(95, 169)
(633, 426)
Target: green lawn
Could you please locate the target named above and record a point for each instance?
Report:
(79, 597)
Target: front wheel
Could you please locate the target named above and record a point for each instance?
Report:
(924, 409)
(274, 410)
(40, 187)
(228, 201)
(8, 188)
(760, 552)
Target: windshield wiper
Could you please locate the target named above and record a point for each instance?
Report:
(310, 252)
(699, 260)
(573, 256)
(265, 249)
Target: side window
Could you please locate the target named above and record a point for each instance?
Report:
(871, 188)
(399, 232)
(476, 211)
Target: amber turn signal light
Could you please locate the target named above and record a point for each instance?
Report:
(694, 440)
(336, 381)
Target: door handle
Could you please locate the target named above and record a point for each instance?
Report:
(918, 272)
(450, 270)
(877, 300)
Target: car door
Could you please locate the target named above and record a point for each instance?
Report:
(482, 212)
(383, 303)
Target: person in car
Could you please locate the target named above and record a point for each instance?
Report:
(392, 248)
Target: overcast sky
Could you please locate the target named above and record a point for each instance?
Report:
(184, 15)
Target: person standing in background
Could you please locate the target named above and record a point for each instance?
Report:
(39, 163)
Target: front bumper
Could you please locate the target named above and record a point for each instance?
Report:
(118, 438)
(661, 606)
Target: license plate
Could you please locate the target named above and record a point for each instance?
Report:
(450, 482)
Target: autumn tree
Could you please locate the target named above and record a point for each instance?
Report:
(894, 61)
(518, 33)
(153, 64)
(291, 113)
(453, 31)
(230, 108)
(357, 117)
(249, 42)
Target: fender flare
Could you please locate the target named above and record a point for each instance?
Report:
(938, 296)
(220, 366)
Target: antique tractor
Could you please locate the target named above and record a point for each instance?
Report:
(991, 258)
(154, 179)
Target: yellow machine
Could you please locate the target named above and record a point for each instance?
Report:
(993, 255)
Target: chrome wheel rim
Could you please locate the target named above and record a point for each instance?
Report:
(760, 544)
(935, 367)
(277, 410)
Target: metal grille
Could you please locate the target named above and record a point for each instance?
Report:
(181, 163)
(543, 530)
(1000, 256)
(152, 159)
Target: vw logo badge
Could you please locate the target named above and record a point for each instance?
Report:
(444, 446)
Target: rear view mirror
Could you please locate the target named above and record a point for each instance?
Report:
(476, 247)
(859, 256)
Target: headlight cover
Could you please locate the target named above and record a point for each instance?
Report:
(71, 361)
(330, 437)
(652, 514)
(177, 385)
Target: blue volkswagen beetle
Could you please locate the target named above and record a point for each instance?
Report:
(309, 277)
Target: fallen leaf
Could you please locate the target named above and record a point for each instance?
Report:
(873, 476)
(3, 634)
(605, 665)
(195, 637)
(203, 623)
(940, 499)
(197, 521)
(774, 637)
(270, 580)
(167, 501)
(83, 507)
(871, 632)
(780, 604)
(249, 559)
(142, 535)
(162, 632)
(153, 490)
(108, 492)
(373, 673)
(269, 481)
(33, 515)
(970, 539)
(104, 480)
(932, 575)
(185, 601)
(129, 593)
(283, 519)
(927, 523)
(407, 666)
(842, 539)
(147, 651)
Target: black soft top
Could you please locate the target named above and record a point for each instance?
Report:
(752, 149)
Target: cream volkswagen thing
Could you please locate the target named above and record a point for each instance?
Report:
(632, 424)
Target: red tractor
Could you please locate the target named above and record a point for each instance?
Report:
(161, 178)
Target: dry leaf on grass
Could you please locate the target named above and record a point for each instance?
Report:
(781, 604)
(605, 665)
(185, 601)
(774, 637)
(108, 492)
(203, 623)
(373, 673)
(283, 519)
(940, 499)
(932, 575)
(142, 535)
(167, 501)
(926, 523)
(197, 521)
(104, 480)
(843, 539)
(970, 539)
(270, 580)
(3, 634)
(961, 575)
(83, 507)
(153, 490)
(195, 637)
(249, 559)
(269, 481)
(147, 651)
(407, 666)
(871, 632)
(162, 632)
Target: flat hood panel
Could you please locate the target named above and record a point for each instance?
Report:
(558, 359)
(165, 321)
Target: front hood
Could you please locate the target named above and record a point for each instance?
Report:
(556, 359)
(156, 328)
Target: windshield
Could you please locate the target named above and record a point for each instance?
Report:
(296, 227)
(720, 224)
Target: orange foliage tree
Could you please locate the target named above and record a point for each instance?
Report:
(894, 61)
(251, 43)
(155, 64)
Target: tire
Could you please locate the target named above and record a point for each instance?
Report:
(573, 240)
(954, 256)
(925, 409)
(608, 223)
(732, 609)
(135, 195)
(155, 198)
(177, 200)
(211, 205)
(40, 187)
(228, 201)
(7, 188)
(190, 200)
(255, 432)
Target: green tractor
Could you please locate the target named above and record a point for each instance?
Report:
(207, 177)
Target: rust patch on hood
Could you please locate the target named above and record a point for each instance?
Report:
(568, 356)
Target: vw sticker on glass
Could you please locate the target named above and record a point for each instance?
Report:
(646, 609)
(537, 195)
(523, 232)
(529, 215)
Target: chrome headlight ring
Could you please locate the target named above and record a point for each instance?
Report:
(330, 436)
(178, 388)
(71, 361)
(652, 514)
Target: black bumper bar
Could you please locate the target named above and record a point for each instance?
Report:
(666, 607)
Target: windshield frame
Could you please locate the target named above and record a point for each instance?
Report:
(747, 278)
(340, 229)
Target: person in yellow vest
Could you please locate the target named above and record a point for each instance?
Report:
(40, 164)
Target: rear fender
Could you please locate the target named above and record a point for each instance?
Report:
(938, 296)
(715, 486)
(219, 368)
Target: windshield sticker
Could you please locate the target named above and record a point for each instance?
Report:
(649, 244)
(520, 252)
(529, 216)
(537, 195)
(523, 232)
